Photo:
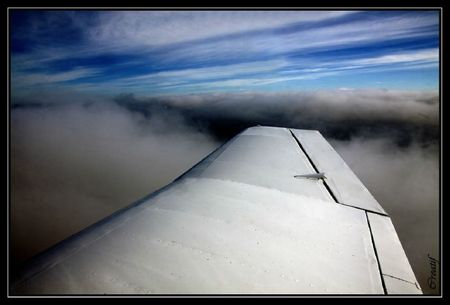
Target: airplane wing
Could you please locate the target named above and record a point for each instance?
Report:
(273, 211)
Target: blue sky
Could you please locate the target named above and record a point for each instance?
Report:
(180, 52)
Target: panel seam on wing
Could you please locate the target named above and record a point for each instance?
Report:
(362, 209)
(376, 254)
(400, 279)
(327, 187)
(259, 186)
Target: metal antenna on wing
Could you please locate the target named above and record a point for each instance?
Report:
(312, 176)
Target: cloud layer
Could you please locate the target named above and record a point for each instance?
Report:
(401, 116)
(74, 163)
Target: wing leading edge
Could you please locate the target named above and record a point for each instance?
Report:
(273, 211)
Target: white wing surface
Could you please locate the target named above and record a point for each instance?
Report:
(273, 211)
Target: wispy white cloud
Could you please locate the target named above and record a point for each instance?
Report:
(427, 55)
(158, 28)
(210, 73)
(30, 79)
(246, 83)
(263, 73)
(411, 60)
(307, 38)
